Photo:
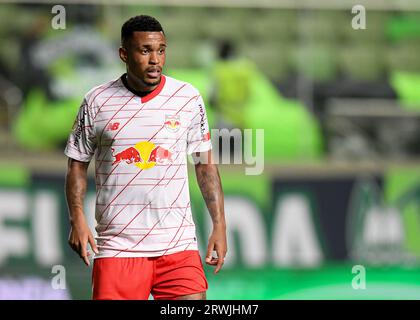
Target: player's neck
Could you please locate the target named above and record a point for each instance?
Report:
(136, 86)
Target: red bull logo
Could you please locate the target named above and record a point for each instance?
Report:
(172, 123)
(144, 155)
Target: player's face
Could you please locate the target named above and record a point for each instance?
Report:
(144, 54)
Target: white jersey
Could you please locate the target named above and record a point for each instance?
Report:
(140, 145)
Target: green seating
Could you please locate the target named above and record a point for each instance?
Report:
(406, 85)
(181, 54)
(316, 26)
(317, 61)
(362, 62)
(221, 25)
(406, 26)
(272, 58)
(33, 130)
(404, 56)
(274, 25)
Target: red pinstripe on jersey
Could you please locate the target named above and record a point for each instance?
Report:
(152, 228)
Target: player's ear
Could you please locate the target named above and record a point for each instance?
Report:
(123, 54)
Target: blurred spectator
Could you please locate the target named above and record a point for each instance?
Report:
(231, 88)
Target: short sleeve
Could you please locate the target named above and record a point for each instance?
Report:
(198, 139)
(81, 143)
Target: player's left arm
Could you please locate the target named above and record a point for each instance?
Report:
(208, 179)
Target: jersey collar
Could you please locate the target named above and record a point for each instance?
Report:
(148, 96)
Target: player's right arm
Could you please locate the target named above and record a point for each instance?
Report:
(75, 190)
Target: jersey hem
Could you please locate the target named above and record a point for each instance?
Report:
(143, 254)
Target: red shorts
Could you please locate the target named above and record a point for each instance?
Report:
(165, 277)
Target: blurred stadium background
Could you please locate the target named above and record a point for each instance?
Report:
(341, 113)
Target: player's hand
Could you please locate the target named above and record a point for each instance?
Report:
(79, 237)
(217, 242)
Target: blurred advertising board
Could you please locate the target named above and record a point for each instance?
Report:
(285, 233)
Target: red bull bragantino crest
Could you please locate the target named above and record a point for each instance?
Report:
(172, 123)
(144, 155)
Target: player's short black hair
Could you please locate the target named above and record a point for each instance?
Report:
(139, 23)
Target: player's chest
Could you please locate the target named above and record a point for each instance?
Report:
(159, 121)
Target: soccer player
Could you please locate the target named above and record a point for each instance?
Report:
(140, 128)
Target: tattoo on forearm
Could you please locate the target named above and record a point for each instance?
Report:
(209, 182)
(76, 185)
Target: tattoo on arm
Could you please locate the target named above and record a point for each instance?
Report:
(76, 185)
(210, 185)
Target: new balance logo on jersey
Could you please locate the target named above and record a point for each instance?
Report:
(112, 126)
